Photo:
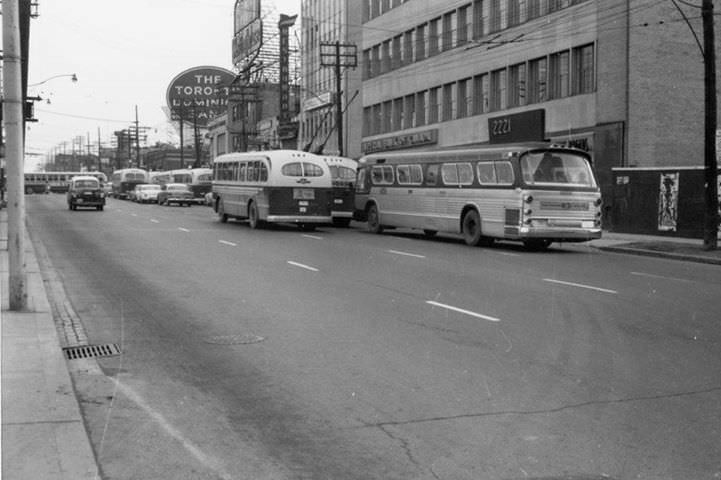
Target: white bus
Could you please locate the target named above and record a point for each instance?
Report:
(537, 194)
(46, 182)
(200, 180)
(343, 174)
(125, 180)
(275, 186)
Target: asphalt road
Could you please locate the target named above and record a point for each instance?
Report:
(338, 354)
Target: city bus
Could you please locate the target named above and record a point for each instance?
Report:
(274, 186)
(125, 180)
(536, 194)
(200, 180)
(343, 175)
(159, 177)
(56, 182)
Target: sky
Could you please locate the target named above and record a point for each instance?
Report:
(124, 54)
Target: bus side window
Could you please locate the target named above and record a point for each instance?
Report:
(432, 175)
(504, 172)
(263, 172)
(486, 173)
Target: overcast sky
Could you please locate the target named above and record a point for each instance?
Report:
(124, 54)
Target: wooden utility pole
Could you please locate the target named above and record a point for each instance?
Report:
(337, 55)
(14, 147)
(711, 219)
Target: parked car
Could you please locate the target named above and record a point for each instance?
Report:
(146, 193)
(179, 193)
(85, 191)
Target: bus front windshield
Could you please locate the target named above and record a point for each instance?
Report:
(556, 168)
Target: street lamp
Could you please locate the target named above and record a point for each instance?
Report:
(72, 76)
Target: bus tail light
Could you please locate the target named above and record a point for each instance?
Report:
(528, 199)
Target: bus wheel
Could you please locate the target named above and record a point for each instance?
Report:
(222, 216)
(472, 228)
(374, 224)
(536, 244)
(253, 219)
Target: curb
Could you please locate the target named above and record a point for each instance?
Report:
(658, 254)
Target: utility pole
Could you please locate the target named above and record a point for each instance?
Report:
(100, 162)
(337, 55)
(137, 138)
(711, 218)
(14, 128)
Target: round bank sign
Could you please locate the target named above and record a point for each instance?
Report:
(199, 94)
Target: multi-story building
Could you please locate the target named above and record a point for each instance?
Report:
(323, 24)
(622, 78)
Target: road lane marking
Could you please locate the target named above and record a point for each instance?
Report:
(205, 459)
(184, 230)
(154, 220)
(398, 252)
(224, 242)
(507, 254)
(651, 275)
(460, 310)
(300, 265)
(312, 236)
(133, 214)
(580, 285)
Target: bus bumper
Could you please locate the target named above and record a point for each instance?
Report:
(560, 234)
(297, 219)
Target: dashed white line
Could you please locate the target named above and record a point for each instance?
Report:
(580, 285)
(133, 214)
(225, 242)
(300, 265)
(461, 310)
(154, 220)
(312, 236)
(183, 229)
(507, 254)
(398, 252)
(650, 275)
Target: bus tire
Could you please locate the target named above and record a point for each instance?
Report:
(471, 228)
(253, 219)
(222, 216)
(374, 223)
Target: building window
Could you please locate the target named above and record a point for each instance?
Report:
(464, 99)
(583, 66)
(421, 105)
(396, 56)
(385, 56)
(433, 104)
(538, 80)
(517, 84)
(554, 5)
(481, 94)
(409, 111)
(377, 119)
(449, 102)
(478, 18)
(559, 75)
(367, 72)
(462, 25)
(367, 121)
(497, 16)
(536, 8)
(433, 37)
(408, 47)
(449, 31)
(397, 121)
(499, 100)
(375, 61)
(387, 116)
(420, 42)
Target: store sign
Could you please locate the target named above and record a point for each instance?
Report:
(199, 94)
(398, 142)
(527, 126)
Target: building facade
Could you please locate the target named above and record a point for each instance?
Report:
(323, 24)
(620, 78)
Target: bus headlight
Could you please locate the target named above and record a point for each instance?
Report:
(598, 202)
(528, 199)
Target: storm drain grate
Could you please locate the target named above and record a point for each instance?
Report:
(91, 351)
(244, 339)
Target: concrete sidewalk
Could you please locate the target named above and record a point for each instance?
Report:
(43, 434)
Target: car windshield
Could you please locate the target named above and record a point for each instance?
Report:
(557, 168)
(178, 188)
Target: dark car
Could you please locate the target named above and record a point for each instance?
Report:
(179, 193)
(85, 191)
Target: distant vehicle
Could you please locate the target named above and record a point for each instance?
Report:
(536, 194)
(159, 177)
(85, 191)
(146, 193)
(125, 180)
(343, 174)
(178, 193)
(278, 186)
(56, 182)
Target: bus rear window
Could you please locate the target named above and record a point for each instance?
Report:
(301, 169)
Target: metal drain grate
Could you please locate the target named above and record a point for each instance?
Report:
(91, 351)
(234, 339)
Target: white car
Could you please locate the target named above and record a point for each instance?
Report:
(146, 193)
